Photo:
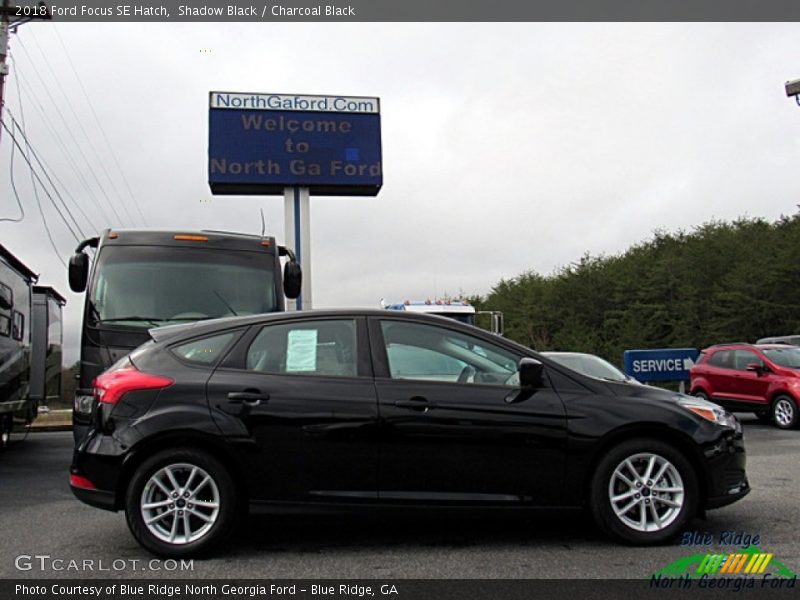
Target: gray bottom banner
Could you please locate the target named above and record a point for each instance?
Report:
(398, 589)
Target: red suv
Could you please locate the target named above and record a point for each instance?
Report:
(759, 378)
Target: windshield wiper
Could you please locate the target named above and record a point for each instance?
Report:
(152, 320)
(228, 306)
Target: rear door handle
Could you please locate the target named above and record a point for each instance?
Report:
(417, 403)
(249, 397)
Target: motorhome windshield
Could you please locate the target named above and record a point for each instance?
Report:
(147, 286)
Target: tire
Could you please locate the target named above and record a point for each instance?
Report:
(784, 412)
(701, 394)
(664, 517)
(159, 521)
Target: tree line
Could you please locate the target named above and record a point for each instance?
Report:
(720, 282)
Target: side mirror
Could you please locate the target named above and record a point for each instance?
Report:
(6, 297)
(757, 368)
(292, 279)
(530, 373)
(78, 272)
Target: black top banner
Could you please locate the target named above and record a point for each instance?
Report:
(410, 11)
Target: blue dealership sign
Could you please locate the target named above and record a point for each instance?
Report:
(263, 143)
(663, 364)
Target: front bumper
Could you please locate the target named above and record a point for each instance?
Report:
(726, 475)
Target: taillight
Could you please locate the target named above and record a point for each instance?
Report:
(79, 481)
(110, 386)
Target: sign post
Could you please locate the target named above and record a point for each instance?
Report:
(294, 145)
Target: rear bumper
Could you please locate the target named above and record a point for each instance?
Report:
(97, 498)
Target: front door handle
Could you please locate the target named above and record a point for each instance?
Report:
(249, 397)
(417, 404)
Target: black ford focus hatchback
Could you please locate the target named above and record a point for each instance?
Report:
(362, 409)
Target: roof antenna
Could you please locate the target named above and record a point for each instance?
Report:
(263, 223)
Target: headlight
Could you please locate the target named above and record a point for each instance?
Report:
(83, 404)
(710, 412)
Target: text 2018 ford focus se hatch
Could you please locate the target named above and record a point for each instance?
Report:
(358, 409)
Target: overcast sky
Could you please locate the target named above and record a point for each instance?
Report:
(506, 147)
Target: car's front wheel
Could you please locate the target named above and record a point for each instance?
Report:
(784, 412)
(643, 492)
(181, 502)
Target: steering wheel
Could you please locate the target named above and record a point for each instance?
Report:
(466, 373)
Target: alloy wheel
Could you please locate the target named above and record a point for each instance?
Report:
(784, 412)
(180, 503)
(646, 492)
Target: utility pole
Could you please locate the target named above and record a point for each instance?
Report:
(10, 19)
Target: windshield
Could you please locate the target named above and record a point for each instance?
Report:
(590, 365)
(785, 357)
(147, 286)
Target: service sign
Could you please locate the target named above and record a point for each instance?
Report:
(263, 143)
(663, 364)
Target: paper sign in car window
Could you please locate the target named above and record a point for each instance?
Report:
(301, 351)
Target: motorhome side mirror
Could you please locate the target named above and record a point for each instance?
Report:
(292, 279)
(78, 272)
(530, 373)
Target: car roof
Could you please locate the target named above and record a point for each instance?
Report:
(199, 328)
(735, 345)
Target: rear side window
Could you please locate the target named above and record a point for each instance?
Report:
(5, 326)
(204, 351)
(306, 348)
(722, 359)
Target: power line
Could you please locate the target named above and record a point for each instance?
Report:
(38, 178)
(100, 162)
(27, 157)
(102, 129)
(16, 193)
(41, 211)
(45, 119)
(49, 179)
(46, 169)
(120, 220)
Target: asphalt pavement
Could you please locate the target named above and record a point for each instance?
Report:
(46, 533)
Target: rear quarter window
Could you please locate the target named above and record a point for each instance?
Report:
(204, 351)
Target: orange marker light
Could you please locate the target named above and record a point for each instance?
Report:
(191, 238)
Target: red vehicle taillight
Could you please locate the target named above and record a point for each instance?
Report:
(79, 481)
(110, 386)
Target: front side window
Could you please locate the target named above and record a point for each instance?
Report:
(5, 326)
(204, 351)
(429, 353)
(149, 286)
(325, 347)
(744, 358)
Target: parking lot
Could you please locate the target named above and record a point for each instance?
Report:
(40, 518)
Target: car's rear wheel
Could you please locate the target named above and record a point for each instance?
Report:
(181, 502)
(643, 492)
(700, 394)
(784, 412)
